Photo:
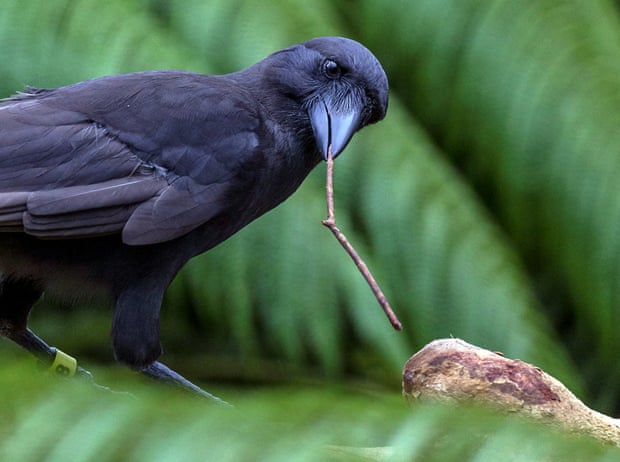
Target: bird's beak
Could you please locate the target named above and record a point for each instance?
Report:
(333, 126)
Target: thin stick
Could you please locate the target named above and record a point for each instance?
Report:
(330, 223)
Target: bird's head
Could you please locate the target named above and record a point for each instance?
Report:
(339, 84)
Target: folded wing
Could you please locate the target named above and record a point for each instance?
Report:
(65, 176)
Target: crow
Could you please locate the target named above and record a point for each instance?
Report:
(109, 186)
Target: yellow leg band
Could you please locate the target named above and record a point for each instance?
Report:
(64, 364)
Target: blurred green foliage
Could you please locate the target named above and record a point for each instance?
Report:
(487, 203)
(68, 420)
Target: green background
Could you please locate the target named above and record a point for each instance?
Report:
(487, 204)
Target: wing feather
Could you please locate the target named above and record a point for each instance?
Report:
(63, 175)
(163, 218)
(144, 154)
(117, 192)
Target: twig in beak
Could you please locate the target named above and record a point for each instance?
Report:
(330, 223)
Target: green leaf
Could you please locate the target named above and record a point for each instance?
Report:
(58, 419)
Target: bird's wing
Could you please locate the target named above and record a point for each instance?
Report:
(62, 175)
(66, 173)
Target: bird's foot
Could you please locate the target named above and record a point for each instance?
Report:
(64, 365)
(53, 359)
(161, 372)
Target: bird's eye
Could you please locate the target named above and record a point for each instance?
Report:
(331, 69)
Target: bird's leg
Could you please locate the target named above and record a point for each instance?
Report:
(17, 296)
(16, 299)
(57, 361)
(135, 336)
(47, 354)
(161, 372)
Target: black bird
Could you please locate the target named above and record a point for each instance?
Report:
(111, 185)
